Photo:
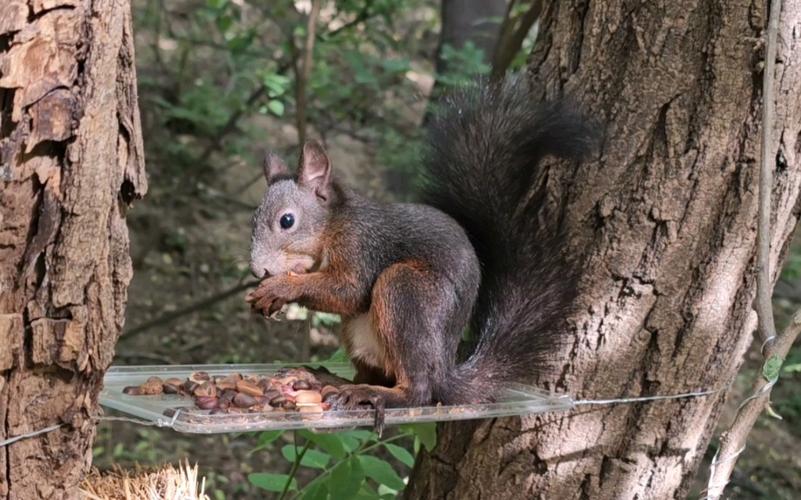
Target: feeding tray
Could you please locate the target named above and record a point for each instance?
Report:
(178, 411)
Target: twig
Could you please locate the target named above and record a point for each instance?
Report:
(305, 70)
(363, 15)
(294, 470)
(774, 348)
(767, 325)
(172, 316)
(732, 442)
(513, 32)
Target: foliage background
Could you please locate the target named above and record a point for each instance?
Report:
(217, 85)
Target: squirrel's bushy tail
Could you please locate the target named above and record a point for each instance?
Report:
(485, 148)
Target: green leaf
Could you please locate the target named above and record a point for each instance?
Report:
(276, 84)
(346, 479)
(268, 437)
(385, 491)
(276, 107)
(792, 368)
(367, 493)
(361, 435)
(271, 482)
(425, 432)
(331, 443)
(771, 368)
(312, 458)
(317, 490)
(339, 356)
(380, 471)
(402, 454)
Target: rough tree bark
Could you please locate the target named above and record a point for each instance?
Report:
(71, 161)
(666, 217)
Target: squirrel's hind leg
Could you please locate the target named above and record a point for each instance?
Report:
(411, 316)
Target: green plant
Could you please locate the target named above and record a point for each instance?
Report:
(350, 463)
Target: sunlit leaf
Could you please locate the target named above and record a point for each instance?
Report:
(271, 482)
(311, 458)
(401, 454)
(380, 471)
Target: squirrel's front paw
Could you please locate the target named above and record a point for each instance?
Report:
(267, 297)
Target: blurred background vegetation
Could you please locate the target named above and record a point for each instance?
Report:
(220, 82)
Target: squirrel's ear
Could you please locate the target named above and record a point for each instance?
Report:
(315, 169)
(273, 167)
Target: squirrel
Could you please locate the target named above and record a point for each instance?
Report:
(407, 279)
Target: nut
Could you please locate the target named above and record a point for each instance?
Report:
(206, 402)
(249, 388)
(171, 388)
(152, 386)
(308, 397)
(242, 400)
(224, 383)
(205, 389)
(301, 385)
(199, 377)
(227, 398)
(132, 390)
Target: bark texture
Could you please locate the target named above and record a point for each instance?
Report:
(666, 218)
(71, 161)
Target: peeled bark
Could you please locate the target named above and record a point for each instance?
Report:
(666, 218)
(71, 161)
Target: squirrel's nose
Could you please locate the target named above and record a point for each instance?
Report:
(259, 272)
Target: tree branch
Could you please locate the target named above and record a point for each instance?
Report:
(172, 316)
(304, 71)
(513, 32)
(774, 348)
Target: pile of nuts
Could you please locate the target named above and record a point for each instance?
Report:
(292, 389)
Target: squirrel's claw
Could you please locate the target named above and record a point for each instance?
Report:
(262, 299)
(357, 397)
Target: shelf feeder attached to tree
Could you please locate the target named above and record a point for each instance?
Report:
(181, 413)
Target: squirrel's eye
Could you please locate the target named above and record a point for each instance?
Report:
(287, 220)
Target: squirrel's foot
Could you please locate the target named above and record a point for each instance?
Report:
(353, 397)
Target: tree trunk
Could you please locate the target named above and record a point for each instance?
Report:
(71, 161)
(666, 217)
(476, 21)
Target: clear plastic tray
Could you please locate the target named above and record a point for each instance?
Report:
(518, 399)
